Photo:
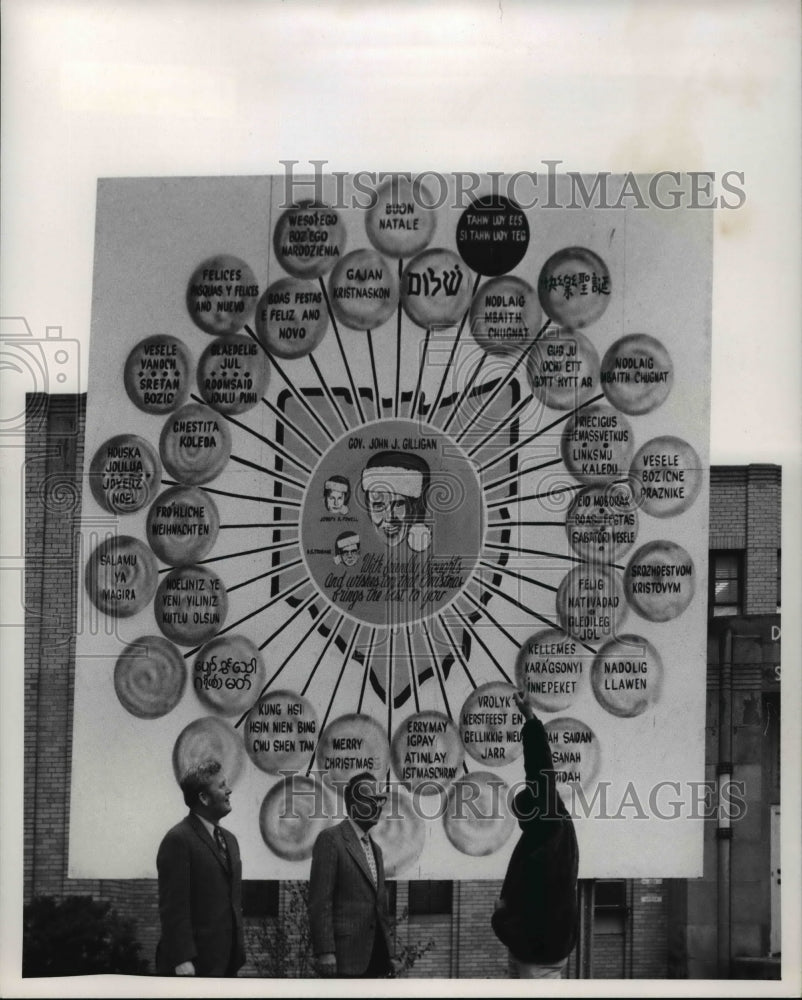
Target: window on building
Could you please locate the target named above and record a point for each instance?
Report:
(610, 892)
(428, 897)
(259, 898)
(610, 905)
(779, 578)
(726, 583)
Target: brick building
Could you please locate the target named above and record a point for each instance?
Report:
(725, 924)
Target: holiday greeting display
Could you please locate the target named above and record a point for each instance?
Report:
(356, 471)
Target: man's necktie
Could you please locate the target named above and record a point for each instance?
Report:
(369, 857)
(220, 840)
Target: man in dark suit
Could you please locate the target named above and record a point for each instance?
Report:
(200, 883)
(348, 908)
(537, 914)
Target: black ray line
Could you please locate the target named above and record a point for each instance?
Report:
(457, 651)
(398, 343)
(252, 614)
(412, 676)
(265, 575)
(506, 502)
(522, 356)
(323, 652)
(295, 483)
(287, 659)
(474, 633)
(247, 552)
(261, 437)
(529, 611)
(325, 610)
(357, 401)
(275, 501)
(465, 392)
(525, 524)
(390, 686)
(439, 395)
(486, 612)
(329, 395)
(377, 399)
(368, 658)
(322, 727)
(508, 419)
(517, 576)
(539, 433)
(416, 394)
(290, 385)
(518, 474)
(301, 607)
(555, 555)
(235, 555)
(436, 666)
(276, 525)
(286, 422)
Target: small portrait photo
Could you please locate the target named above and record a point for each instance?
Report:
(337, 494)
(346, 548)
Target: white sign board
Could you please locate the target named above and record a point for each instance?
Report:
(361, 461)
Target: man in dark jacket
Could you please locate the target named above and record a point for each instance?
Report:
(537, 913)
(348, 907)
(200, 883)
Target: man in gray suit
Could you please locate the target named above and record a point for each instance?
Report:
(348, 907)
(200, 883)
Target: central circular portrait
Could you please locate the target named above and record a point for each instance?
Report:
(392, 523)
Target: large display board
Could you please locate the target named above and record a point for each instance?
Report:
(359, 466)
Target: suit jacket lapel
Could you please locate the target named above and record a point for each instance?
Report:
(355, 847)
(201, 831)
(377, 854)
